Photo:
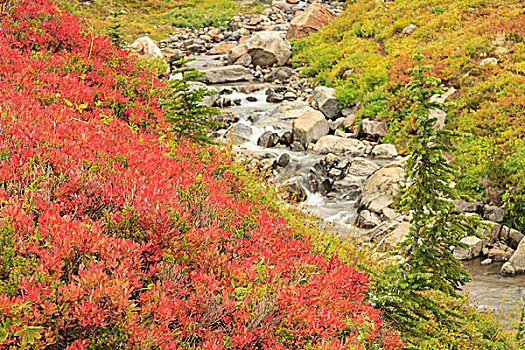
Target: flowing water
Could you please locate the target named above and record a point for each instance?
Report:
(489, 290)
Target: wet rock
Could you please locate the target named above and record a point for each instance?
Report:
(283, 160)
(312, 20)
(296, 146)
(265, 48)
(362, 167)
(221, 49)
(290, 96)
(516, 264)
(280, 73)
(373, 129)
(146, 47)
(251, 99)
(472, 251)
(274, 98)
(310, 127)
(493, 213)
(500, 252)
(316, 182)
(286, 139)
(486, 262)
(339, 145)
(239, 133)
(350, 186)
(294, 192)
(268, 140)
(226, 74)
(384, 151)
(381, 188)
(368, 219)
(514, 238)
(326, 101)
(227, 118)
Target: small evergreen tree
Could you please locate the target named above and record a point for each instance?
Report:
(114, 31)
(428, 201)
(184, 107)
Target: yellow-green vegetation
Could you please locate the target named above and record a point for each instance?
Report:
(473, 330)
(157, 17)
(477, 46)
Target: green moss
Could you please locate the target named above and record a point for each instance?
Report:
(157, 18)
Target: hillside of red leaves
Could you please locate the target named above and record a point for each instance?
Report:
(112, 237)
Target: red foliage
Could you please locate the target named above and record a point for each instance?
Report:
(111, 239)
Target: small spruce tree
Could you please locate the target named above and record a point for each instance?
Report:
(436, 227)
(184, 107)
(114, 30)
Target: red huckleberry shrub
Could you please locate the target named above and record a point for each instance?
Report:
(111, 238)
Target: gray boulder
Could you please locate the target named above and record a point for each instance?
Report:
(339, 145)
(385, 151)
(398, 235)
(514, 238)
(368, 219)
(310, 127)
(326, 101)
(373, 129)
(469, 207)
(266, 48)
(493, 213)
(362, 167)
(226, 74)
(381, 188)
(239, 133)
(516, 264)
(268, 140)
(475, 245)
(146, 47)
(280, 73)
(283, 116)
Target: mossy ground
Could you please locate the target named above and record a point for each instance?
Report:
(157, 18)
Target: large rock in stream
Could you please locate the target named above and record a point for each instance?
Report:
(283, 116)
(516, 264)
(339, 145)
(312, 20)
(381, 188)
(326, 101)
(226, 74)
(310, 127)
(266, 48)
